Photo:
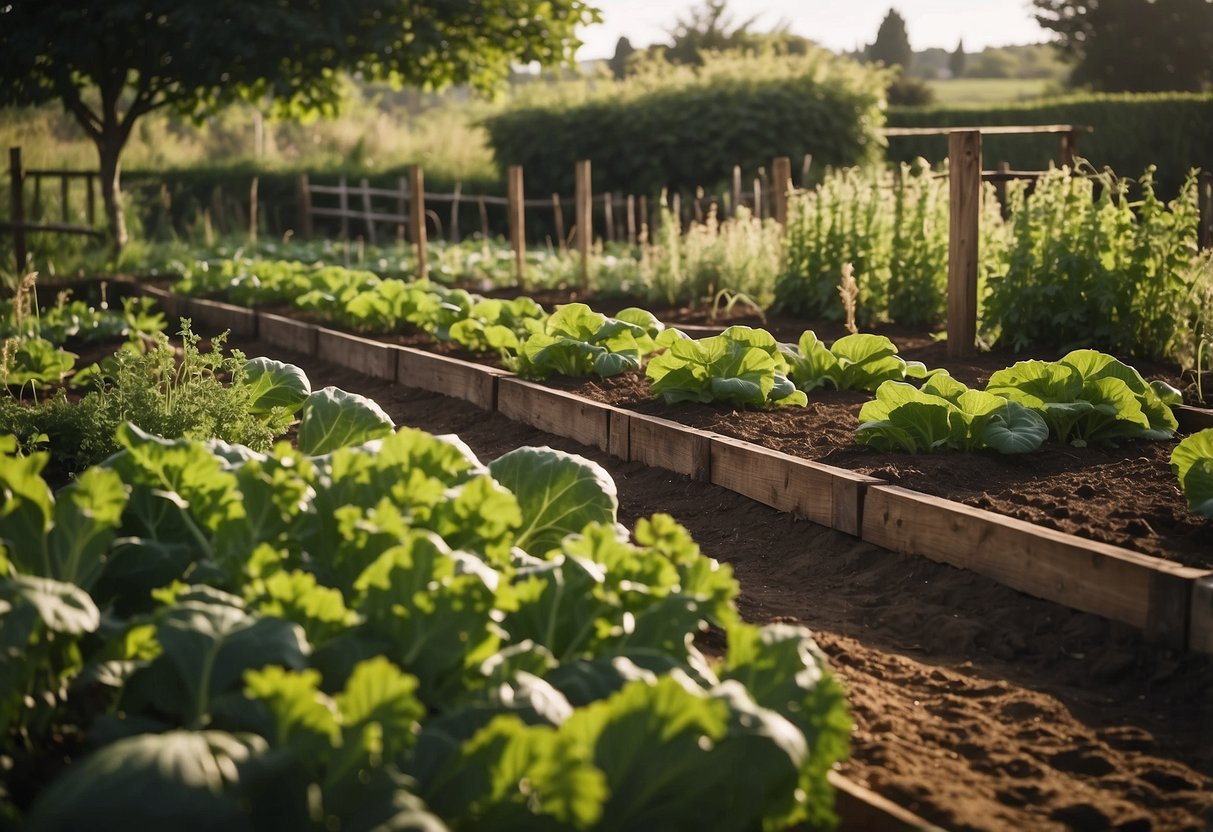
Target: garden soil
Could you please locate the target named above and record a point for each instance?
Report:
(975, 706)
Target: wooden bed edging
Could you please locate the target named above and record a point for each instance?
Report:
(241, 320)
(1173, 604)
(464, 380)
(288, 333)
(1150, 593)
(1192, 419)
(826, 495)
(863, 810)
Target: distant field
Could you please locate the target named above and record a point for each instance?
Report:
(988, 90)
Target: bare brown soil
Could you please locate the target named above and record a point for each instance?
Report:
(974, 705)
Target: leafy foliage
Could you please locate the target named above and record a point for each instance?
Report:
(854, 362)
(1088, 397)
(577, 341)
(741, 366)
(1192, 464)
(945, 414)
(389, 636)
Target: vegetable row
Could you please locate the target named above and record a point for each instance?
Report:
(385, 634)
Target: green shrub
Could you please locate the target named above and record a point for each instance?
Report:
(680, 127)
(1173, 131)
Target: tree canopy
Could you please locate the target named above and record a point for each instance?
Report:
(112, 61)
(892, 44)
(1134, 45)
(708, 28)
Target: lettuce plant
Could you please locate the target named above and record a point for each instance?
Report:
(577, 341)
(945, 414)
(741, 366)
(1088, 397)
(388, 636)
(493, 325)
(854, 362)
(1192, 464)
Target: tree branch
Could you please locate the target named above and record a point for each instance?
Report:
(89, 121)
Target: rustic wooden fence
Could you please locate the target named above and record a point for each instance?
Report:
(17, 223)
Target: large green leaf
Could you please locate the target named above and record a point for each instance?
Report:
(62, 607)
(26, 506)
(1192, 464)
(333, 418)
(181, 780)
(87, 514)
(1014, 429)
(274, 384)
(558, 493)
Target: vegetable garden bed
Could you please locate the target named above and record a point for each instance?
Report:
(975, 706)
(1162, 584)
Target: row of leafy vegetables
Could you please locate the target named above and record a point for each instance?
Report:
(1085, 398)
(376, 631)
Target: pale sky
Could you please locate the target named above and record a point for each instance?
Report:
(836, 24)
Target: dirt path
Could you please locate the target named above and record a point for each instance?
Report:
(974, 705)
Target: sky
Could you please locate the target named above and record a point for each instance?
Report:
(841, 25)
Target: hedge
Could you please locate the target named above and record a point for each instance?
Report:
(1173, 131)
(690, 130)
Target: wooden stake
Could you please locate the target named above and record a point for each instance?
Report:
(402, 203)
(484, 221)
(585, 217)
(736, 188)
(608, 214)
(455, 211)
(366, 211)
(781, 169)
(517, 223)
(305, 207)
(343, 203)
(558, 220)
(417, 218)
(964, 209)
(757, 198)
(644, 211)
(252, 210)
(17, 191)
(631, 219)
(1069, 148)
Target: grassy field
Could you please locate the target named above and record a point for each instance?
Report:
(989, 90)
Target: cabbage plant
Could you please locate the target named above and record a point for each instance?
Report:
(1192, 464)
(859, 361)
(741, 366)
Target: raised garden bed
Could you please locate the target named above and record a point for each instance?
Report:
(1155, 592)
(975, 706)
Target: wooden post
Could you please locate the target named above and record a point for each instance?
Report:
(517, 223)
(305, 207)
(1000, 189)
(736, 188)
(757, 198)
(676, 210)
(252, 211)
(631, 209)
(343, 203)
(697, 205)
(781, 169)
(558, 221)
(608, 214)
(366, 211)
(805, 167)
(585, 216)
(90, 200)
(455, 211)
(644, 211)
(63, 198)
(964, 209)
(484, 221)
(17, 190)
(1069, 148)
(1204, 199)
(402, 208)
(417, 217)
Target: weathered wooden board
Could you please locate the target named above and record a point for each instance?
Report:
(830, 496)
(288, 333)
(619, 435)
(362, 355)
(449, 376)
(210, 317)
(862, 810)
(1140, 590)
(665, 444)
(1192, 419)
(1200, 636)
(555, 411)
(173, 306)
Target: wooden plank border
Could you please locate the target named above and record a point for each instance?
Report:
(555, 411)
(217, 316)
(172, 305)
(287, 333)
(464, 380)
(675, 447)
(826, 495)
(1146, 592)
(362, 355)
(862, 810)
(1192, 419)
(1200, 632)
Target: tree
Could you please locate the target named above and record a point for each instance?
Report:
(619, 61)
(110, 62)
(709, 28)
(956, 61)
(892, 44)
(1134, 45)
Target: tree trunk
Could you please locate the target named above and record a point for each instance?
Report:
(109, 148)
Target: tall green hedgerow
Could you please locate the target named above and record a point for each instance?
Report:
(680, 126)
